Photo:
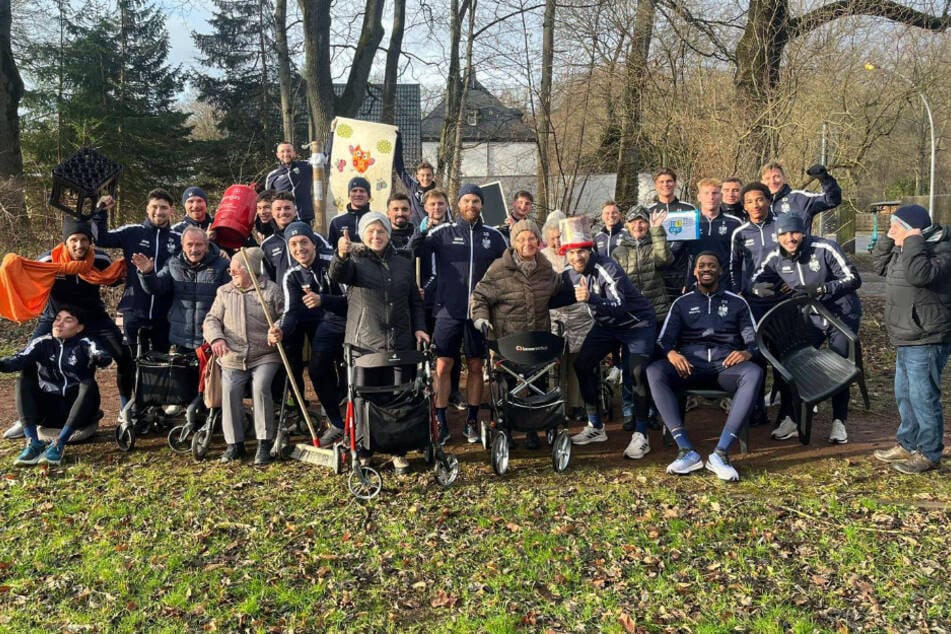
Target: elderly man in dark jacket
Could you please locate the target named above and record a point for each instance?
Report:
(915, 258)
(190, 280)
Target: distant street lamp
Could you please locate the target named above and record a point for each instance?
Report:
(872, 67)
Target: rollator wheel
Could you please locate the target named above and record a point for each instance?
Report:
(550, 436)
(485, 435)
(447, 470)
(500, 453)
(179, 438)
(561, 451)
(365, 483)
(125, 437)
(201, 441)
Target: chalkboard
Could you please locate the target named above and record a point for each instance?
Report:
(494, 210)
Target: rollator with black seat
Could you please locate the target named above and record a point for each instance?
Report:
(520, 367)
(390, 410)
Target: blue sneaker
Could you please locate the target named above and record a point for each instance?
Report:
(54, 453)
(721, 466)
(31, 454)
(686, 462)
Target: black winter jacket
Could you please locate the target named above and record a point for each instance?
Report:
(917, 286)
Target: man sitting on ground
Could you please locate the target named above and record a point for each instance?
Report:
(63, 391)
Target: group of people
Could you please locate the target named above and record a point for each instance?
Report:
(675, 314)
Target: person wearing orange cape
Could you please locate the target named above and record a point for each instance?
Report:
(70, 274)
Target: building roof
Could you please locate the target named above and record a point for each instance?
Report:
(408, 114)
(486, 119)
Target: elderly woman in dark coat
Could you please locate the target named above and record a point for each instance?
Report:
(514, 294)
(385, 310)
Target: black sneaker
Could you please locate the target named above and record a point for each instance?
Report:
(457, 400)
(263, 454)
(233, 452)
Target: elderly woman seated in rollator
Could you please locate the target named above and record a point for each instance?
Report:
(236, 326)
(514, 294)
(385, 310)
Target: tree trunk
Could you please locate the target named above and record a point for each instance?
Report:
(629, 151)
(542, 198)
(371, 34)
(315, 15)
(446, 157)
(11, 91)
(393, 62)
(284, 69)
(456, 169)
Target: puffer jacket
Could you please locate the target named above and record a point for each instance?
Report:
(642, 260)
(237, 317)
(192, 290)
(384, 309)
(917, 286)
(513, 301)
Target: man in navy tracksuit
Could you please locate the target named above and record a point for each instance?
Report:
(622, 318)
(708, 341)
(716, 229)
(611, 234)
(462, 251)
(154, 239)
(675, 273)
(358, 192)
(63, 391)
(805, 205)
(295, 177)
(195, 206)
(277, 257)
(818, 268)
(316, 308)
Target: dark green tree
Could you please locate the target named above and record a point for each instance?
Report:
(106, 83)
(239, 77)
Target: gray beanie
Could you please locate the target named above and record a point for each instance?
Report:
(369, 218)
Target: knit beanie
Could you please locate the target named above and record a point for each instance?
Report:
(298, 228)
(73, 225)
(358, 181)
(193, 191)
(471, 188)
(638, 211)
(369, 218)
(789, 223)
(525, 224)
(915, 216)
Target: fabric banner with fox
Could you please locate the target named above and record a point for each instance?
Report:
(362, 148)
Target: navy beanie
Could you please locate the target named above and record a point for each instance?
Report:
(789, 223)
(915, 216)
(470, 188)
(358, 181)
(298, 228)
(193, 191)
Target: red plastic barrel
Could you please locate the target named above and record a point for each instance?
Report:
(235, 216)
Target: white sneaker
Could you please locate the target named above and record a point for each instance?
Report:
(329, 437)
(638, 447)
(15, 431)
(838, 435)
(722, 467)
(589, 435)
(614, 376)
(777, 399)
(400, 465)
(787, 429)
(173, 410)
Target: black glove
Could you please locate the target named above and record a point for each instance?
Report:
(811, 290)
(817, 171)
(763, 289)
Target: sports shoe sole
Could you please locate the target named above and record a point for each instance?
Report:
(588, 441)
(697, 466)
(790, 436)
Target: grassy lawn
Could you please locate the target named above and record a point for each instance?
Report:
(150, 541)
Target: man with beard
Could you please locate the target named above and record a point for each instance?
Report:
(709, 341)
(195, 205)
(403, 234)
(358, 195)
